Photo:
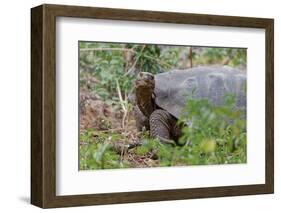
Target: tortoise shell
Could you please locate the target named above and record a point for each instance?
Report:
(173, 88)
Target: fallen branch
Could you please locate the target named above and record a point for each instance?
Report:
(110, 130)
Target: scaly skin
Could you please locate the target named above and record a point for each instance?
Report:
(162, 125)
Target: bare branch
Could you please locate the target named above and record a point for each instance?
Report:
(107, 49)
(135, 62)
(124, 108)
(191, 57)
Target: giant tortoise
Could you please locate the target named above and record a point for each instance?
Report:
(160, 98)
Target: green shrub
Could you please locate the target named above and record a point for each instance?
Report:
(214, 134)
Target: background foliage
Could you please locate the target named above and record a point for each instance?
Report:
(107, 128)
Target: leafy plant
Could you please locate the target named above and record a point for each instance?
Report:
(218, 133)
(97, 151)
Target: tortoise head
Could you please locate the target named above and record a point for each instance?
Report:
(145, 80)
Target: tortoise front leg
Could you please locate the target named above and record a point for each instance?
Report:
(161, 126)
(141, 120)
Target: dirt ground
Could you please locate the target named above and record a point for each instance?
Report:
(96, 114)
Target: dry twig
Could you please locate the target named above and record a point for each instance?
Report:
(123, 105)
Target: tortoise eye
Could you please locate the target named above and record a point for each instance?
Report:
(150, 77)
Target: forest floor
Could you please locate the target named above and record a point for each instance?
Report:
(101, 124)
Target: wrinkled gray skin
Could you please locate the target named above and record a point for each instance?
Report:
(171, 90)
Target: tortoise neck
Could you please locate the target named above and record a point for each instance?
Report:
(145, 101)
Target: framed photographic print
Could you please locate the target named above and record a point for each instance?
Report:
(136, 106)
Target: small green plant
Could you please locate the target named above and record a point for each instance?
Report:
(97, 150)
(214, 134)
